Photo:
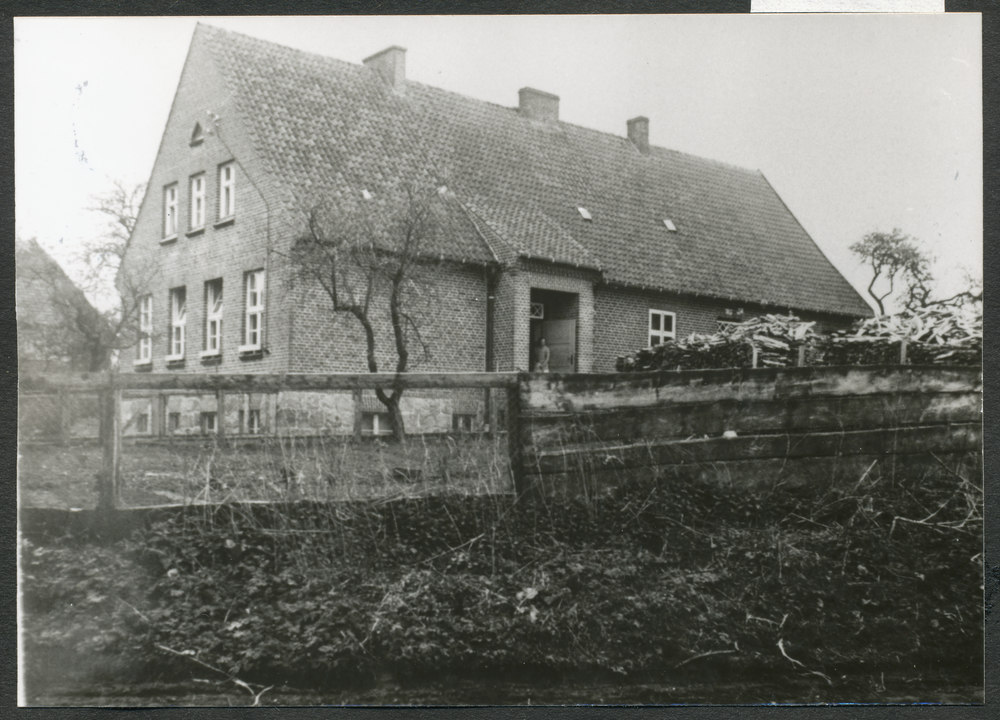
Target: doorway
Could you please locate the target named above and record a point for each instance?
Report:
(553, 317)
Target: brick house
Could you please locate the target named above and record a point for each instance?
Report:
(597, 242)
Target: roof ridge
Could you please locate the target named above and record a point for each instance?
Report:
(215, 29)
(702, 158)
(323, 122)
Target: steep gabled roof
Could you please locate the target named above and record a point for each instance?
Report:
(326, 128)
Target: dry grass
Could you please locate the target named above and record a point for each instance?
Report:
(268, 469)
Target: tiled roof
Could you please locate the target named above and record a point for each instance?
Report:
(327, 129)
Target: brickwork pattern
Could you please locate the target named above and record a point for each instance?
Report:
(622, 320)
(577, 283)
(451, 315)
(220, 250)
(505, 308)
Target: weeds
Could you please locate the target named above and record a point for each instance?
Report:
(649, 582)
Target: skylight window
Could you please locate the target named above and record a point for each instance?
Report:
(585, 213)
(669, 224)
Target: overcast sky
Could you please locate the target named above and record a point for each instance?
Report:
(860, 122)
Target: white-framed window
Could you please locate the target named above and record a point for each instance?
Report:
(142, 423)
(170, 210)
(208, 424)
(462, 422)
(661, 326)
(253, 331)
(178, 319)
(227, 190)
(174, 422)
(198, 201)
(144, 350)
(375, 423)
(537, 311)
(250, 421)
(213, 318)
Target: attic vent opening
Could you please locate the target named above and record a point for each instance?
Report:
(669, 224)
(197, 135)
(585, 214)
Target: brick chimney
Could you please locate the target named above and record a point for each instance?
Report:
(638, 133)
(390, 64)
(539, 105)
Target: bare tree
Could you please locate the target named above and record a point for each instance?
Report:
(73, 326)
(376, 261)
(896, 259)
(102, 256)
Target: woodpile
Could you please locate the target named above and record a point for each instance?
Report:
(774, 338)
(937, 335)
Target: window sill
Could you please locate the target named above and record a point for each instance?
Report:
(212, 359)
(208, 354)
(175, 362)
(252, 355)
(225, 221)
(168, 240)
(142, 365)
(196, 231)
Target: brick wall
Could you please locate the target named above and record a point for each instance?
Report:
(622, 320)
(220, 250)
(450, 309)
(512, 323)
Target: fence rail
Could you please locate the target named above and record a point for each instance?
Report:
(571, 433)
(46, 394)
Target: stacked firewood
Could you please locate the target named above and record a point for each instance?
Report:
(938, 335)
(774, 339)
(935, 335)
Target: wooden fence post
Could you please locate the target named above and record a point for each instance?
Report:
(802, 355)
(356, 401)
(63, 423)
(161, 414)
(108, 490)
(902, 351)
(755, 356)
(220, 413)
(516, 434)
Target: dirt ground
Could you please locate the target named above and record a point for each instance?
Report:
(65, 476)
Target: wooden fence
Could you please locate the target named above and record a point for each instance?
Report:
(580, 433)
(112, 389)
(583, 433)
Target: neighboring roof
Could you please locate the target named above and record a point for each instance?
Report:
(52, 311)
(326, 128)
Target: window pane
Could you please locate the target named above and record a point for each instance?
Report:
(654, 321)
(654, 340)
(668, 323)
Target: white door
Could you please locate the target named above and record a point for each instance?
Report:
(560, 336)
